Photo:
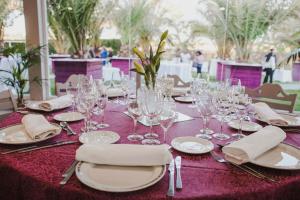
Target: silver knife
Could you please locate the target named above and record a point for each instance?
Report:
(30, 147)
(178, 177)
(74, 163)
(71, 130)
(48, 146)
(67, 176)
(171, 191)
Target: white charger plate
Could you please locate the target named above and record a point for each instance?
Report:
(292, 121)
(192, 145)
(99, 137)
(246, 125)
(69, 117)
(283, 156)
(34, 105)
(17, 134)
(184, 99)
(118, 178)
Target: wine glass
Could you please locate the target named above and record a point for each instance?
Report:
(205, 108)
(101, 104)
(125, 84)
(193, 93)
(151, 104)
(72, 91)
(135, 112)
(220, 105)
(166, 119)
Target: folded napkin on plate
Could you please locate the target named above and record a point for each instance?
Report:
(59, 102)
(37, 127)
(177, 91)
(114, 92)
(124, 154)
(254, 145)
(266, 113)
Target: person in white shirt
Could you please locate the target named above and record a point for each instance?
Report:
(198, 61)
(269, 66)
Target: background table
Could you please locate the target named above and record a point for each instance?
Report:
(183, 70)
(36, 175)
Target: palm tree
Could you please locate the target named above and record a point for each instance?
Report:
(138, 21)
(247, 21)
(74, 18)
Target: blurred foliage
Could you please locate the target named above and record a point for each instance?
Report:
(115, 44)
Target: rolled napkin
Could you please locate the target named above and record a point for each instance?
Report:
(124, 154)
(265, 112)
(114, 92)
(37, 127)
(59, 102)
(254, 145)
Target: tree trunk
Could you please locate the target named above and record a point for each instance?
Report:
(1, 35)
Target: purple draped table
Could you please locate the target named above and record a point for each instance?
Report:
(36, 174)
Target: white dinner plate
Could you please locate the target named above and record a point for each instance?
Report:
(292, 121)
(184, 99)
(118, 178)
(99, 137)
(246, 125)
(17, 134)
(69, 117)
(283, 156)
(192, 145)
(34, 105)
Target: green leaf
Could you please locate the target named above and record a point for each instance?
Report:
(164, 35)
(140, 54)
(139, 68)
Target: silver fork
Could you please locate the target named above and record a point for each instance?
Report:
(245, 168)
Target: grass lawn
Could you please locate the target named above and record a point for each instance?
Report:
(297, 106)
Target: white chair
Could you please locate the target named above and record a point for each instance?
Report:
(61, 87)
(7, 103)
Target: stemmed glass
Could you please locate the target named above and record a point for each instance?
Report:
(72, 91)
(101, 104)
(166, 120)
(84, 105)
(151, 104)
(222, 110)
(125, 84)
(135, 112)
(193, 92)
(168, 88)
(205, 108)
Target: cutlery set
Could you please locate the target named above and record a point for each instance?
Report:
(66, 127)
(177, 162)
(244, 168)
(37, 147)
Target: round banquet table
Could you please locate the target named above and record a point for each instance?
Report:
(36, 174)
(183, 70)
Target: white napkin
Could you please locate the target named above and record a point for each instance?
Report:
(37, 127)
(254, 145)
(59, 102)
(114, 92)
(124, 154)
(265, 112)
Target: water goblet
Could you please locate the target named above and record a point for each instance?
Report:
(166, 120)
(135, 112)
(101, 104)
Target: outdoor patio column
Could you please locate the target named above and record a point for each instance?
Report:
(35, 12)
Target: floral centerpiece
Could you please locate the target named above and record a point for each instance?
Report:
(149, 64)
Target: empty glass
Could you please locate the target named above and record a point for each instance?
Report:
(101, 104)
(205, 108)
(72, 91)
(151, 104)
(220, 105)
(166, 119)
(135, 112)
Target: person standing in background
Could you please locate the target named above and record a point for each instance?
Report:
(269, 66)
(198, 62)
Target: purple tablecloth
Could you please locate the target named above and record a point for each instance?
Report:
(36, 175)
